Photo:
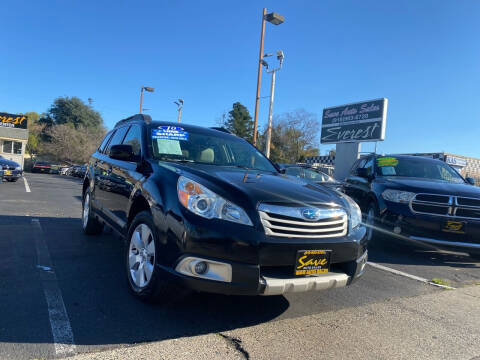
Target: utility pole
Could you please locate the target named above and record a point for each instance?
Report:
(280, 57)
(275, 19)
(179, 104)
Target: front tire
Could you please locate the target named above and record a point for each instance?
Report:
(371, 221)
(142, 254)
(91, 226)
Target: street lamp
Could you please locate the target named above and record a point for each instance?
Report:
(280, 58)
(275, 19)
(179, 104)
(146, 88)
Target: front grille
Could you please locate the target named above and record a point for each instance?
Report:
(288, 221)
(446, 205)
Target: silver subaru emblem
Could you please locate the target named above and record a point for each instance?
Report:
(311, 214)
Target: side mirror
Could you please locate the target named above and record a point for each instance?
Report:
(279, 168)
(470, 180)
(121, 152)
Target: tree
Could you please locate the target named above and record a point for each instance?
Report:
(74, 111)
(34, 132)
(240, 122)
(294, 137)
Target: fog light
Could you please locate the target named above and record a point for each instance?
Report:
(397, 230)
(201, 267)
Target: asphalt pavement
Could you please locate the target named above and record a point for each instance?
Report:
(64, 294)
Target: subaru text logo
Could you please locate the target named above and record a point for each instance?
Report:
(311, 214)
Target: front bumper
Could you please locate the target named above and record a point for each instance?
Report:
(399, 221)
(12, 174)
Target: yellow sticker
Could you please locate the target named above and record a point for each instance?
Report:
(387, 161)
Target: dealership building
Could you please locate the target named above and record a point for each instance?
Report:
(13, 137)
(466, 166)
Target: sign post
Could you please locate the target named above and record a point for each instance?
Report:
(349, 125)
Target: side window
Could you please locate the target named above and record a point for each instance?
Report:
(117, 138)
(133, 138)
(369, 166)
(102, 146)
(358, 164)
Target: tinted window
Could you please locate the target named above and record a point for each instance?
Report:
(133, 138)
(7, 146)
(358, 164)
(104, 142)
(369, 166)
(117, 137)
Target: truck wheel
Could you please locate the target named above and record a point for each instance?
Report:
(91, 226)
(142, 254)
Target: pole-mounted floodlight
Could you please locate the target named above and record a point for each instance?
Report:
(149, 89)
(274, 18)
(179, 104)
(146, 88)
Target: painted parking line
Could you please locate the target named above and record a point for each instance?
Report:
(27, 187)
(410, 276)
(57, 313)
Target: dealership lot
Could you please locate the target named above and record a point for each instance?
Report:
(64, 293)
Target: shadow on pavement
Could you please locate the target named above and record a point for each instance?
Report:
(91, 277)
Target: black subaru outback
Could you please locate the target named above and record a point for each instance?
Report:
(204, 209)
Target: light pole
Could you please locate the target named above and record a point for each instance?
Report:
(275, 19)
(280, 57)
(179, 104)
(146, 88)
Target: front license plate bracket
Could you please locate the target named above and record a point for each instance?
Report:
(312, 262)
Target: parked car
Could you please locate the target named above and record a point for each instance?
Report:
(419, 199)
(12, 171)
(42, 167)
(64, 170)
(78, 171)
(311, 174)
(203, 209)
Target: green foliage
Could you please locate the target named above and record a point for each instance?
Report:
(72, 111)
(34, 130)
(240, 122)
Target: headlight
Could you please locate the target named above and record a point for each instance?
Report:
(398, 196)
(204, 202)
(355, 212)
(18, 168)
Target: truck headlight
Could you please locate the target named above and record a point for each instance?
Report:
(355, 212)
(398, 196)
(204, 202)
(19, 168)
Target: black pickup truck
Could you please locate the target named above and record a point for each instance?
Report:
(418, 199)
(204, 209)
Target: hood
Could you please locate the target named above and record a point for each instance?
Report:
(256, 186)
(8, 162)
(430, 186)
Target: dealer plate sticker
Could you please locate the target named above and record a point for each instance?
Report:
(170, 133)
(456, 227)
(312, 262)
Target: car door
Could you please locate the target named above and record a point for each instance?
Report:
(363, 184)
(352, 182)
(124, 175)
(96, 163)
(107, 186)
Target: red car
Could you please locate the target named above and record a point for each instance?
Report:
(42, 167)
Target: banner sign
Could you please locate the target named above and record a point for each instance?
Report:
(456, 161)
(357, 122)
(13, 121)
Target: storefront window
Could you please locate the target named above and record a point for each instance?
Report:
(17, 148)
(7, 146)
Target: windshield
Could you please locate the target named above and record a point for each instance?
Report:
(418, 168)
(176, 144)
(316, 175)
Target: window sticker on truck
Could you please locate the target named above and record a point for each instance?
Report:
(170, 133)
(387, 161)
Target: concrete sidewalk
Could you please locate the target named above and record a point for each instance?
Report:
(442, 325)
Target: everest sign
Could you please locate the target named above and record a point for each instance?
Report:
(363, 121)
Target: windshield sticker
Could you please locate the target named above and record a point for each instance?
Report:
(170, 147)
(170, 133)
(387, 161)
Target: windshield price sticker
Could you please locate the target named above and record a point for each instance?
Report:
(387, 161)
(170, 133)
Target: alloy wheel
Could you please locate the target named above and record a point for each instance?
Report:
(86, 210)
(141, 255)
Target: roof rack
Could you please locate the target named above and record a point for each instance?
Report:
(140, 117)
(222, 129)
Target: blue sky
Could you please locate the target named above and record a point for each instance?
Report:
(424, 56)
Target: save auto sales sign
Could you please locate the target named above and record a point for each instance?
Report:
(13, 121)
(358, 122)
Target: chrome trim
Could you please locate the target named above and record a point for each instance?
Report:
(451, 207)
(275, 286)
(444, 242)
(296, 211)
(217, 271)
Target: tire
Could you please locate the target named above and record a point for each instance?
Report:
(142, 252)
(90, 225)
(371, 222)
